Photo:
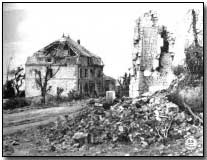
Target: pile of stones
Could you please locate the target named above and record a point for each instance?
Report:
(145, 120)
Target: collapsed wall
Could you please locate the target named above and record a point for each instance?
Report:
(151, 58)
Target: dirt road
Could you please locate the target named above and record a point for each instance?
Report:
(31, 118)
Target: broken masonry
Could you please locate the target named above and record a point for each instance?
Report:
(152, 56)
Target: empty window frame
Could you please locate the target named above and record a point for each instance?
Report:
(86, 73)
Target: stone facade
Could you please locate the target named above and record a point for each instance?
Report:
(151, 58)
(77, 69)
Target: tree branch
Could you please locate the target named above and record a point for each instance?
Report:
(193, 114)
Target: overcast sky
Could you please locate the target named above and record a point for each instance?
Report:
(104, 29)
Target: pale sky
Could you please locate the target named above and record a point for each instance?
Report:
(104, 29)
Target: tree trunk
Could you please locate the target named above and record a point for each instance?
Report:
(43, 99)
(17, 89)
(194, 28)
(43, 96)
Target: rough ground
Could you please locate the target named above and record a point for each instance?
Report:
(48, 132)
(35, 117)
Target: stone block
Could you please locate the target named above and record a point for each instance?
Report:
(110, 96)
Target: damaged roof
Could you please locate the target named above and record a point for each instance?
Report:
(56, 49)
(77, 48)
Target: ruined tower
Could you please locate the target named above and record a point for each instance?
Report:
(151, 59)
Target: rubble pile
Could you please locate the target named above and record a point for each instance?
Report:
(145, 120)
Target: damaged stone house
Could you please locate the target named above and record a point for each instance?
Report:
(152, 56)
(77, 69)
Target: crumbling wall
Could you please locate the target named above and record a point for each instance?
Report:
(65, 78)
(151, 58)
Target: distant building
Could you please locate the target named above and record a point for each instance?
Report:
(109, 83)
(78, 69)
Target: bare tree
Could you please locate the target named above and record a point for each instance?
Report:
(194, 54)
(59, 92)
(18, 79)
(42, 80)
(196, 31)
(124, 83)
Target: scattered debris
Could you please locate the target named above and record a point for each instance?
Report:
(146, 120)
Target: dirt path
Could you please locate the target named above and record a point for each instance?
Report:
(36, 117)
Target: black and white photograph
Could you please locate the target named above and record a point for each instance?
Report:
(103, 79)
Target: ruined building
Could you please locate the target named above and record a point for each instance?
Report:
(151, 57)
(77, 69)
